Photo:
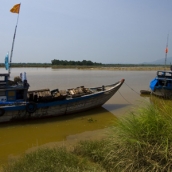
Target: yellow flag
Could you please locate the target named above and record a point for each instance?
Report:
(15, 9)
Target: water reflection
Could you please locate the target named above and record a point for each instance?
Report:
(17, 137)
(112, 107)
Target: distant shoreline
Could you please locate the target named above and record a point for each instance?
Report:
(120, 68)
(116, 68)
(127, 68)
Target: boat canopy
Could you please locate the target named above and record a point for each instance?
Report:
(153, 84)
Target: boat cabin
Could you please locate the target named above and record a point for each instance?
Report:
(162, 80)
(12, 91)
(164, 74)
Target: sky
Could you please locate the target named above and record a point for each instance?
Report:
(103, 31)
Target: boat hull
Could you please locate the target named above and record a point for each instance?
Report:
(164, 93)
(60, 107)
(161, 85)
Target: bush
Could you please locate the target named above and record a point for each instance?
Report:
(142, 141)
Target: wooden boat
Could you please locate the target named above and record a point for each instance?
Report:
(161, 85)
(17, 102)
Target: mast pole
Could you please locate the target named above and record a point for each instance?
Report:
(166, 51)
(11, 54)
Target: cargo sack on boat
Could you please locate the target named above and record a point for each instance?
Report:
(58, 95)
(74, 92)
(17, 79)
(87, 91)
(63, 94)
(77, 92)
(43, 95)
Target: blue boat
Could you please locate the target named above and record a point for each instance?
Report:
(161, 85)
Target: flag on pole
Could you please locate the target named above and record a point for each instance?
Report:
(15, 9)
(166, 50)
(7, 62)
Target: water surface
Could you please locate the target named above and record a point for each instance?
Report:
(16, 138)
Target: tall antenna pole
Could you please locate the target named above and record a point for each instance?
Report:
(15, 9)
(166, 51)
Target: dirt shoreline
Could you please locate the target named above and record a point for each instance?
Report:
(127, 68)
(120, 68)
(135, 68)
(72, 140)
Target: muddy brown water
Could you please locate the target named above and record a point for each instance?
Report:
(19, 137)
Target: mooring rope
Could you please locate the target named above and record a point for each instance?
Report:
(131, 88)
(125, 98)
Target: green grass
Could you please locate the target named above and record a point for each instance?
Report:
(93, 150)
(52, 160)
(142, 141)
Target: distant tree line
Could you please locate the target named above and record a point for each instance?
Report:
(75, 63)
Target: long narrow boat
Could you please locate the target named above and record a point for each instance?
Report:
(17, 102)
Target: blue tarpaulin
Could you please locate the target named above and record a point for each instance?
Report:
(153, 83)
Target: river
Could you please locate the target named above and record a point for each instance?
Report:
(19, 137)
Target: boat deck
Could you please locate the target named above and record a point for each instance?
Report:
(45, 95)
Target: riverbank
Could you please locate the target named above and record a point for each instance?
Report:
(128, 146)
(114, 68)
(72, 140)
(121, 68)
(69, 143)
(127, 68)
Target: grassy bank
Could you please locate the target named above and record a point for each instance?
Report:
(142, 141)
